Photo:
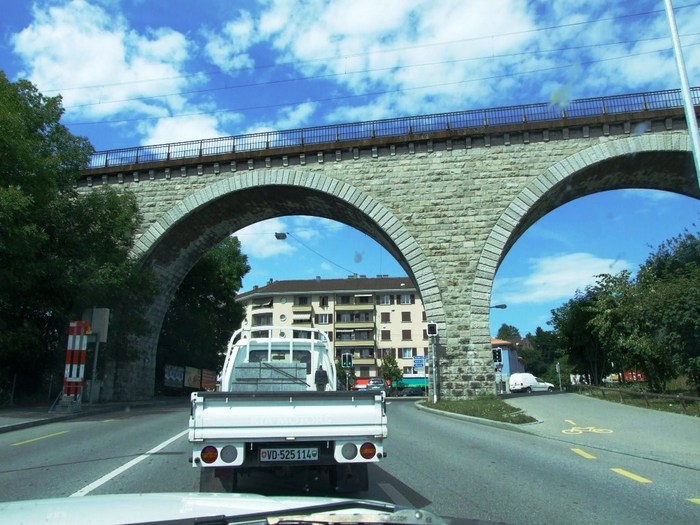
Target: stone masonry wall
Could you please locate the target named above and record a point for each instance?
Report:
(457, 201)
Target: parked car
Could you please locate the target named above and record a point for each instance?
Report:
(376, 383)
(412, 392)
(524, 382)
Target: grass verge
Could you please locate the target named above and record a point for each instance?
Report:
(689, 407)
(486, 407)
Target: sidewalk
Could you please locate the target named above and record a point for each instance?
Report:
(16, 418)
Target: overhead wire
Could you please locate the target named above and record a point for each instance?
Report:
(363, 95)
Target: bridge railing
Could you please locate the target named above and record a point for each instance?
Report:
(396, 127)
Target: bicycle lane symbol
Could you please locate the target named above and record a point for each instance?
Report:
(575, 429)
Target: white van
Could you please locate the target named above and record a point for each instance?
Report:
(523, 382)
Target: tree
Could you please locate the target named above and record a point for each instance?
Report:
(390, 370)
(59, 252)
(586, 353)
(204, 313)
(508, 332)
(540, 351)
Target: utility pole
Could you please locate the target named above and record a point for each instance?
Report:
(690, 117)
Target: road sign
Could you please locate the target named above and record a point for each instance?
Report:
(418, 362)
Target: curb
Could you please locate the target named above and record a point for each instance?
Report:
(83, 413)
(487, 422)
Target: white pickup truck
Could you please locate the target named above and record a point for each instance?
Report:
(271, 415)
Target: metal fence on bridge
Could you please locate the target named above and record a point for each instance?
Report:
(396, 127)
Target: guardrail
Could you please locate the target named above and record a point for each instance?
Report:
(396, 127)
(648, 397)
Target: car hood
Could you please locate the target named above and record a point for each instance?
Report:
(185, 508)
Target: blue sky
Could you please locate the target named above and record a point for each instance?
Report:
(138, 72)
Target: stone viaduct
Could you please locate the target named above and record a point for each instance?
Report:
(447, 195)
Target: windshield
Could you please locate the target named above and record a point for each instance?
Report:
(437, 255)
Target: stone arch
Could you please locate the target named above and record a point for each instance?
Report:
(173, 243)
(661, 162)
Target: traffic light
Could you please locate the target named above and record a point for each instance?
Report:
(496, 355)
(346, 360)
(432, 329)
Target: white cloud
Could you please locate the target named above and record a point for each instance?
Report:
(106, 70)
(228, 48)
(101, 66)
(557, 277)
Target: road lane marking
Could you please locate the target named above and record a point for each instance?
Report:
(694, 500)
(570, 422)
(40, 438)
(627, 474)
(104, 479)
(108, 420)
(583, 453)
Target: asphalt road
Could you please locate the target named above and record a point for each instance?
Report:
(449, 466)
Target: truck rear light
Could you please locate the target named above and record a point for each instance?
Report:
(368, 450)
(229, 454)
(209, 454)
(349, 451)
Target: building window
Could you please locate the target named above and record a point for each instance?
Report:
(425, 317)
(363, 335)
(406, 353)
(362, 317)
(302, 300)
(323, 300)
(385, 299)
(344, 299)
(408, 370)
(344, 317)
(262, 320)
(323, 318)
(363, 299)
(407, 298)
(405, 317)
(406, 335)
(386, 317)
(386, 335)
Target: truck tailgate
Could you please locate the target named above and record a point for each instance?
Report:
(286, 415)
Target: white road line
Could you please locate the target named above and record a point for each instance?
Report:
(104, 479)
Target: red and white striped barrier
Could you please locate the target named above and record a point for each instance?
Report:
(75, 358)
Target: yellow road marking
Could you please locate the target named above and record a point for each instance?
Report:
(570, 422)
(582, 453)
(694, 500)
(39, 438)
(627, 474)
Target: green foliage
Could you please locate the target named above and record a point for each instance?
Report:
(649, 323)
(391, 370)
(587, 354)
(508, 332)
(540, 351)
(60, 253)
(204, 313)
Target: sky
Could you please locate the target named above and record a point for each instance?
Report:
(137, 72)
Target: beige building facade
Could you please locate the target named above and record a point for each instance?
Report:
(370, 318)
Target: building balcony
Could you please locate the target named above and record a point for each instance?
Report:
(355, 343)
(363, 361)
(362, 325)
(354, 307)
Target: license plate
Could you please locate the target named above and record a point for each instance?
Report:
(288, 454)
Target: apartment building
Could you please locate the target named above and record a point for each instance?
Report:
(369, 317)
